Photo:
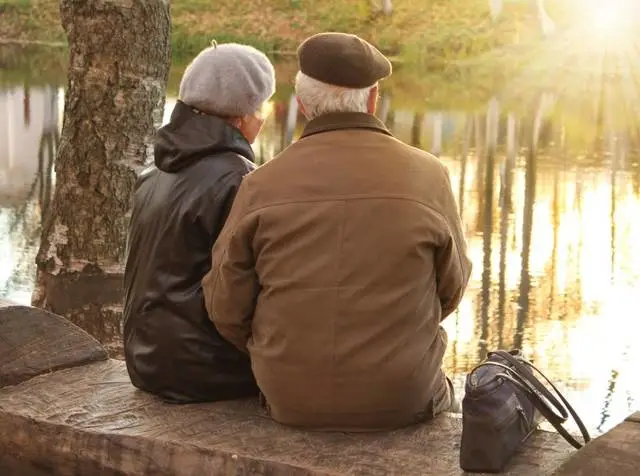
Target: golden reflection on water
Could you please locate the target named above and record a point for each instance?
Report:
(573, 306)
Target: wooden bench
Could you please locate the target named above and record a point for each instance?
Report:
(65, 408)
(616, 453)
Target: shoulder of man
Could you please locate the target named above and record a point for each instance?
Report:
(428, 158)
(423, 159)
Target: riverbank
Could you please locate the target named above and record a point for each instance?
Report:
(413, 87)
(436, 31)
(515, 78)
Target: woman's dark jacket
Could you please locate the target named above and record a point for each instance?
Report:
(180, 205)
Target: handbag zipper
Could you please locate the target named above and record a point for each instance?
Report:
(523, 414)
(499, 425)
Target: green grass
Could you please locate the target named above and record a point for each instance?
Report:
(31, 20)
(185, 45)
(16, 4)
(34, 65)
(410, 86)
(422, 31)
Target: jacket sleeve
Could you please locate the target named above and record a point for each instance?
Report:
(231, 286)
(453, 266)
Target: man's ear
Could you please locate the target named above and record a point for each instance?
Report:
(236, 122)
(372, 102)
(301, 107)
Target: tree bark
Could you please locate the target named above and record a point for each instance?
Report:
(119, 57)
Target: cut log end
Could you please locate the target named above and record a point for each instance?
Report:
(34, 342)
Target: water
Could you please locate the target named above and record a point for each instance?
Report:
(550, 204)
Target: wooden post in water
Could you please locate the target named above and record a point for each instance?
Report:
(438, 123)
(418, 118)
(547, 25)
(119, 55)
(479, 147)
(385, 107)
(505, 211)
(291, 121)
(527, 225)
(617, 152)
(381, 6)
(495, 8)
(49, 142)
(390, 119)
(555, 221)
(463, 163)
(493, 115)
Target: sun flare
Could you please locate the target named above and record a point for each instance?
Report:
(605, 18)
(608, 17)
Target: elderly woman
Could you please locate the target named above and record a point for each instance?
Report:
(171, 347)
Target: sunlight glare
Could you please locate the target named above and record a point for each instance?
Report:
(608, 17)
(605, 18)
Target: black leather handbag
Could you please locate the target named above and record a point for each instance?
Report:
(503, 404)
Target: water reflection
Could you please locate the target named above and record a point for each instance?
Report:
(550, 215)
(28, 142)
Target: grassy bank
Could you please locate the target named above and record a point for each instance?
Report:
(429, 39)
(412, 87)
(433, 31)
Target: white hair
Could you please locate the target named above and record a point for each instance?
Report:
(321, 98)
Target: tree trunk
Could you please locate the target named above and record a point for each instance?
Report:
(438, 123)
(387, 7)
(495, 8)
(418, 117)
(119, 56)
(385, 107)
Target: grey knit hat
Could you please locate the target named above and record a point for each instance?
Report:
(228, 80)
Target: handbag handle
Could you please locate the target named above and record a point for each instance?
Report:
(536, 391)
(560, 416)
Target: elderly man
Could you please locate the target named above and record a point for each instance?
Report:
(340, 259)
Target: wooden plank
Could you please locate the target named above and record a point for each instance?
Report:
(90, 419)
(635, 418)
(33, 341)
(617, 452)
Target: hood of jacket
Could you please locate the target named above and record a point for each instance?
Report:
(190, 136)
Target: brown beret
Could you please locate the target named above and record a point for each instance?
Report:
(342, 60)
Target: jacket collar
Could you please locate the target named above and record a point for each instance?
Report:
(191, 136)
(336, 121)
